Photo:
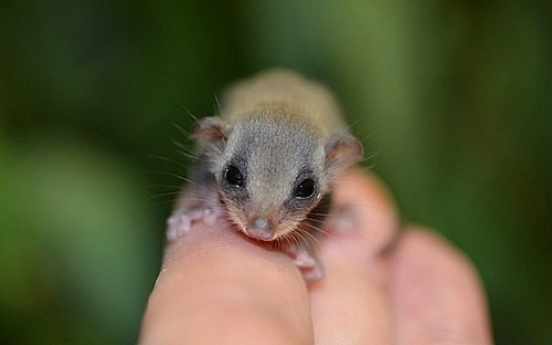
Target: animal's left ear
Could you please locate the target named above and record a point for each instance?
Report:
(342, 151)
(211, 130)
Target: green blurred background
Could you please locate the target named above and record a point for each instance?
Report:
(454, 97)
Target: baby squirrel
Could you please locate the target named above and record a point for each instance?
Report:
(268, 161)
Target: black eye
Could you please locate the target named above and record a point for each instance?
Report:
(305, 189)
(233, 176)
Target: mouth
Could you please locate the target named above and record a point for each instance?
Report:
(261, 228)
(260, 235)
(259, 232)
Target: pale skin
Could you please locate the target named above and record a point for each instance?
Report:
(216, 287)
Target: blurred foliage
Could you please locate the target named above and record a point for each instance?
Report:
(455, 97)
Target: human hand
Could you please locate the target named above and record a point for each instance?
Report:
(216, 287)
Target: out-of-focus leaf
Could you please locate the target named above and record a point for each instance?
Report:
(83, 213)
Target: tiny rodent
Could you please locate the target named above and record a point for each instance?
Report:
(268, 161)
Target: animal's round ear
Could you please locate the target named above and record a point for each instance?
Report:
(211, 130)
(342, 151)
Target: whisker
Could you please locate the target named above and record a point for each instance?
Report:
(364, 208)
(218, 104)
(311, 235)
(184, 147)
(182, 178)
(297, 238)
(181, 130)
(166, 159)
(164, 202)
(162, 195)
(362, 223)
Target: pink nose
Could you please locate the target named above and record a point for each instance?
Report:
(260, 229)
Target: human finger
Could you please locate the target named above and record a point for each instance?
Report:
(350, 305)
(216, 287)
(437, 296)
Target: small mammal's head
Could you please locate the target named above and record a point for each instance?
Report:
(272, 169)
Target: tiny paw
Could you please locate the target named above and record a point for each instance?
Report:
(178, 226)
(180, 223)
(304, 259)
(210, 215)
(302, 255)
(313, 274)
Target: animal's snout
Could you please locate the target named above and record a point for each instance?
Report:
(261, 228)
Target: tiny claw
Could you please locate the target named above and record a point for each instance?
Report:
(180, 223)
(304, 259)
(178, 226)
(185, 225)
(313, 274)
(209, 216)
(172, 234)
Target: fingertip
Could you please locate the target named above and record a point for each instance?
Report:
(436, 292)
(214, 285)
(359, 183)
(363, 212)
(350, 305)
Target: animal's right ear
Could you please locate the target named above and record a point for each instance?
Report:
(211, 130)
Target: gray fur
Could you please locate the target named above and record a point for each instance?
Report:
(278, 128)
